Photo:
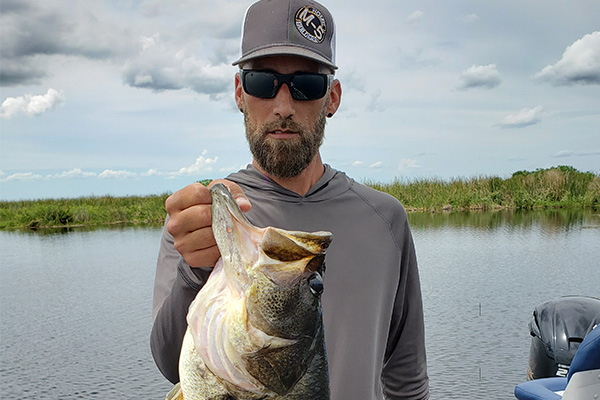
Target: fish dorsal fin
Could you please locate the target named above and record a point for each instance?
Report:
(175, 393)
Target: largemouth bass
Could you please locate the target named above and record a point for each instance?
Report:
(255, 330)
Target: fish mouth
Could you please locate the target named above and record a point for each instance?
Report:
(276, 244)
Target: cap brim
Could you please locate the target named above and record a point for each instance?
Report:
(286, 51)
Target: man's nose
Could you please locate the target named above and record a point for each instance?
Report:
(284, 103)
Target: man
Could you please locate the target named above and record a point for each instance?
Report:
(372, 306)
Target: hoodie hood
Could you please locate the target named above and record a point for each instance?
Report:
(332, 183)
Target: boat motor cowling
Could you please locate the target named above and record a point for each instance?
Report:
(557, 328)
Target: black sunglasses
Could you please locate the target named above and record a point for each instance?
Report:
(303, 85)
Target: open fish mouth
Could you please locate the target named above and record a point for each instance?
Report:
(255, 329)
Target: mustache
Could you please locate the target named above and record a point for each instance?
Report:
(282, 125)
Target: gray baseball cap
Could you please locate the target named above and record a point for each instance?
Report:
(302, 28)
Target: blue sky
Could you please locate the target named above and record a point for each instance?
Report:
(136, 97)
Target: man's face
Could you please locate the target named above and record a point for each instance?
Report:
(284, 134)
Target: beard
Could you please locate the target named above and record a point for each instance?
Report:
(285, 158)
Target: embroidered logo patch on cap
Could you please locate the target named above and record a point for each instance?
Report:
(311, 24)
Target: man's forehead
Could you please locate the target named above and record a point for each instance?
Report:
(293, 63)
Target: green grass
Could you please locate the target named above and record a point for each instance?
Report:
(85, 211)
(558, 187)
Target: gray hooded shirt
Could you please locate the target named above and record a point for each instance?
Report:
(372, 307)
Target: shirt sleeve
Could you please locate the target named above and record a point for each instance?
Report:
(404, 372)
(172, 304)
(166, 270)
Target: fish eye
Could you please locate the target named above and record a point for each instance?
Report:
(315, 283)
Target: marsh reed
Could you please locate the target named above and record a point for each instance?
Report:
(557, 187)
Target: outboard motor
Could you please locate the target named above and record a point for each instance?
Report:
(557, 328)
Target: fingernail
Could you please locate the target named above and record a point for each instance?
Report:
(242, 201)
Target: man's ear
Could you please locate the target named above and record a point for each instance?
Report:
(238, 93)
(335, 97)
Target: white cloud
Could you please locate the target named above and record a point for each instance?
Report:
(151, 172)
(202, 164)
(109, 173)
(377, 164)
(470, 18)
(569, 153)
(162, 65)
(415, 17)
(31, 105)
(374, 104)
(525, 117)
(407, 163)
(357, 163)
(353, 80)
(480, 76)
(148, 41)
(36, 32)
(200, 19)
(579, 64)
(21, 176)
(74, 173)
(141, 80)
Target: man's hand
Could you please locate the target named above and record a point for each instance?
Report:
(190, 221)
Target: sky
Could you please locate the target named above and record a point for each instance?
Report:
(131, 97)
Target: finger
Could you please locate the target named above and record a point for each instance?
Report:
(193, 194)
(203, 258)
(189, 220)
(236, 192)
(197, 240)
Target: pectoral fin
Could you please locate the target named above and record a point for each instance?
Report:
(175, 393)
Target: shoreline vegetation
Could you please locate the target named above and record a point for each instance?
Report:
(557, 187)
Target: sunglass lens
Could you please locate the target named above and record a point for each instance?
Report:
(260, 84)
(308, 87)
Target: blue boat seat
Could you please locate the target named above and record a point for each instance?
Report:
(582, 381)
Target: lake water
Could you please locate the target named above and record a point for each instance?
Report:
(75, 307)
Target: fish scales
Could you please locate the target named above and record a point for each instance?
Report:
(255, 330)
